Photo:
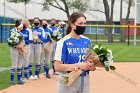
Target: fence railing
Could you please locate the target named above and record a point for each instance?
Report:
(90, 28)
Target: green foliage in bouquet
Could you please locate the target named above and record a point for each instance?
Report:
(14, 38)
(105, 56)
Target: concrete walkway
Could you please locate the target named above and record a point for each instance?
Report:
(3, 69)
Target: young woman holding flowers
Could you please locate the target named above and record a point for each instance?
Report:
(70, 55)
(15, 41)
(36, 48)
(27, 34)
(46, 48)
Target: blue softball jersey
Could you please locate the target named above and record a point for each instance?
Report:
(53, 28)
(70, 50)
(47, 31)
(27, 34)
(41, 33)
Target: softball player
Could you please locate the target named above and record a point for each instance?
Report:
(16, 58)
(36, 48)
(27, 34)
(46, 53)
(61, 27)
(70, 55)
(53, 45)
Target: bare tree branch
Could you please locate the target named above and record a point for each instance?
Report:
(97, 10)
(56, 6)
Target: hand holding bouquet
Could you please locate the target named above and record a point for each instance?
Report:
(101, 57)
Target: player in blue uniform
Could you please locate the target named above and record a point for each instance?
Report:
(61, 27)
(27, 34)
(36, 48)
(16, 58)
(53, 22)
(46, 53)
(70, 55)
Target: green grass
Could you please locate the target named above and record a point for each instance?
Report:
(5, 58)
(4, 79)
(121, 52)
(102, 36)
(124, 53)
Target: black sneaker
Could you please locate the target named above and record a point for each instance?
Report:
(48, 76)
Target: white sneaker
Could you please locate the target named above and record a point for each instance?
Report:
(35, 77)
(31, 77)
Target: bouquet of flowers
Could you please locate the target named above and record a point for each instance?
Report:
(16, 40)
(55, 36)
(101, 57)
(105, 57)
(35, 37)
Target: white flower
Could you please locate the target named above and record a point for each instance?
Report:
(12, 35)
(16, 40)
(96, 46)
(9, 40)
(17, 34)
(107, 63)
(59, 36)
(109, 57)
(109, 54)
(54, 33)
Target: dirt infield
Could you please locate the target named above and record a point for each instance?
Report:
(126, 79)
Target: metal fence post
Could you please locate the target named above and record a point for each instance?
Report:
(128, 35)
(1, 32)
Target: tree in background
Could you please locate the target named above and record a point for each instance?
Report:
(126, 21)
(109, 18)
(66, 5)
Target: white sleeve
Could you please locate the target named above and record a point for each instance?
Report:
(43, 33)
(30, 34)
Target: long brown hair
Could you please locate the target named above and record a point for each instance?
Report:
(74, 16)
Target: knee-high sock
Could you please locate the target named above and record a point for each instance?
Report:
(37, 69)
(26, 71)
(12, 73)
(46, 68)
(19, 73)
(30, 69)
(53, 66)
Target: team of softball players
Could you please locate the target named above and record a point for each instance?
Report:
(37, 50)
(68, 53)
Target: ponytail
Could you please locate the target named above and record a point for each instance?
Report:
(68, 29)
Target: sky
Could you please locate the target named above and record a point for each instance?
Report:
(35, 10)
